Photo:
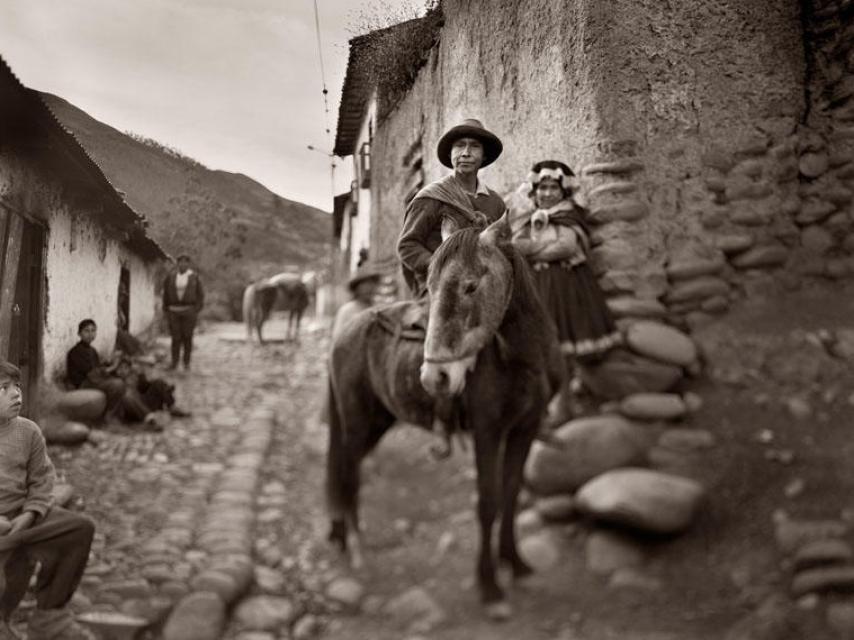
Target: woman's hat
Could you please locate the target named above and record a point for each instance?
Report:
(470, 128)
(555, 170)
(363, 273)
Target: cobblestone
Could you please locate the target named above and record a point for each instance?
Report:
(192, 518)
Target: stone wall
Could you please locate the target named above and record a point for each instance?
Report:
(714, 139)
(696, 182)
(826, 142)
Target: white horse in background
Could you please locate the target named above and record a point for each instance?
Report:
(260, 297)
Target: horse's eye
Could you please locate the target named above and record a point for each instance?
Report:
(469, 287)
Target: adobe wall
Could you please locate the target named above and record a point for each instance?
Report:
(82, 262)
(715, 148)
(491, 64)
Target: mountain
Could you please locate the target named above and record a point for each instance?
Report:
(236, 229)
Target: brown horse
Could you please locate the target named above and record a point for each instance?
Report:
(490, 345)
(259, 298)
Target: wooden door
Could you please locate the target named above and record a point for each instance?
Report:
(22, 303)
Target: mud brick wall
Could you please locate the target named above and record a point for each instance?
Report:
(714, 140)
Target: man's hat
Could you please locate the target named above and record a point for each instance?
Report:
(470, 128)
(365, 272)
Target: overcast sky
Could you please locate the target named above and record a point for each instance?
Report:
(233, 83)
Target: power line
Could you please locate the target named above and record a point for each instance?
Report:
(325, 104)
(322, 70)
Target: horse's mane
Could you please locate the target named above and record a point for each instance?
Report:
(525, 308)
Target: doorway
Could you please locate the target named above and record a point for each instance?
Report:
(124, 300)
(22, 288)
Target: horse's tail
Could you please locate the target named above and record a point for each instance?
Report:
(248, 309)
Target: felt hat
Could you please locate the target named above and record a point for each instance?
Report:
(470, 128)
(365, 272)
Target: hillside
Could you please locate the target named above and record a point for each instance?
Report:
(236, 228)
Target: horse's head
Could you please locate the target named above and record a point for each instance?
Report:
(470, 282)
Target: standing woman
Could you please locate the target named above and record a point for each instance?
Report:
(555, 240)
(454, 202)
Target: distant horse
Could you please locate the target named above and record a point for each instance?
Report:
(259, 298)
(490, 345)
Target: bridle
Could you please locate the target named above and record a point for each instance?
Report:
(475, 350)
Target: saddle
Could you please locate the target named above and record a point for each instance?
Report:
(405, 320)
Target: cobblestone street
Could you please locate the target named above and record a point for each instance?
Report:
(208, 504)
(216, 527)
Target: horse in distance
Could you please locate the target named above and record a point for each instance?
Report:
(288, 290)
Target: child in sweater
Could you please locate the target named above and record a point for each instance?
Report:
(31, 528)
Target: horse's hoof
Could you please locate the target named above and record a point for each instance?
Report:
(499, 611)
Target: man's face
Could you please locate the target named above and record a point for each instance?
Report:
(11, 399)
(88, 333)
(183, 265)
(467, 155)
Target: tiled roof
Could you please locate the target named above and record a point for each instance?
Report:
(24, 115)
(358, 86)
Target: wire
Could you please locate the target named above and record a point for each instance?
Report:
(322, 70)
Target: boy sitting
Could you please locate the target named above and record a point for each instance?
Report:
(85, 370)
(31, 528)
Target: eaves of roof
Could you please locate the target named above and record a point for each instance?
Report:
(78, 169)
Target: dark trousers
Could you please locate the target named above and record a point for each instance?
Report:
(113, 387)
(139, 401)
(181, 327)
(61, 542)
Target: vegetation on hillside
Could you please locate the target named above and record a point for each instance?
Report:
(236, 229)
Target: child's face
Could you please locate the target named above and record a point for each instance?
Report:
(11, 399)
(88, 333)
(548, 193)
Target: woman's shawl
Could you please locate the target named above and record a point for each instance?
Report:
(566, 213)
(449, 191)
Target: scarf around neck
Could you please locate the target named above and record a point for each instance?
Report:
(449, 191)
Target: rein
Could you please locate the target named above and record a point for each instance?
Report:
(503, 347)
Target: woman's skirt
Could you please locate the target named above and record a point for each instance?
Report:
(572, 297)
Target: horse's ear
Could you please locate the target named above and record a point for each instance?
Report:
(498, 233)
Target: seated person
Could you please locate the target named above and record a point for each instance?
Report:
(32, 528)
(145, 396)
(126, 342)
(84, 370)
(362, 286)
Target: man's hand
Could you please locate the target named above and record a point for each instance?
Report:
(23, 521)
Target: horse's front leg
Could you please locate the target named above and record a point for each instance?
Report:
(516, 451)
(486, 455)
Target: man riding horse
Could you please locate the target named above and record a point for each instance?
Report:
(456, 201)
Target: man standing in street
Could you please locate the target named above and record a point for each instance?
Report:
(183, 298)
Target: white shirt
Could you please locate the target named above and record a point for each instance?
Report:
(181, 281)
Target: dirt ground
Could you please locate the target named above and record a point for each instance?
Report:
(419, 514)
(762, 355)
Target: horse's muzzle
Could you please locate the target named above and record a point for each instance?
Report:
(446, 378)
